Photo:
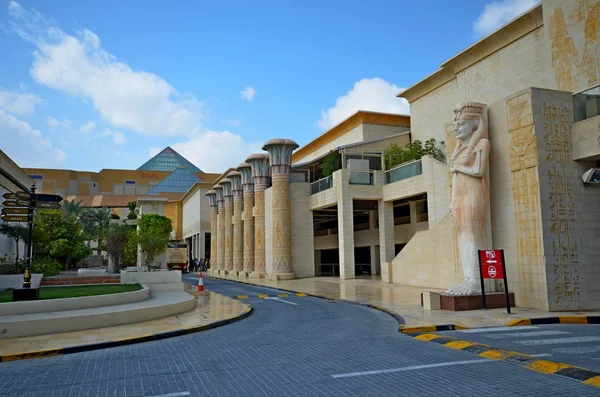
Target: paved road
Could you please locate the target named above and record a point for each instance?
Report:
(312, 348)
(578, 345)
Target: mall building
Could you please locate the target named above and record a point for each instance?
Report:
(536, 82)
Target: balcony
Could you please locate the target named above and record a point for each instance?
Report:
(360, 178)
(321, 185)
(404, 171)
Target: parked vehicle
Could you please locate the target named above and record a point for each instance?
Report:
(177, 254)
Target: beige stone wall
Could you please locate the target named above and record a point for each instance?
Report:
(376, 131)
(353, 136)
(585, 137)
(303, 260)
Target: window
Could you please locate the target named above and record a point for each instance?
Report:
(402, 214)
(36, 176)
(130, 182)
(422, 215)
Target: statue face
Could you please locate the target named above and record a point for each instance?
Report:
(463, 128)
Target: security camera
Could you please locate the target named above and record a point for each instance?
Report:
(591, 176)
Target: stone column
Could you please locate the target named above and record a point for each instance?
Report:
(386, 239)
(238, 227)
(212, 199)
(280, 157)
(245, 170)
(261, 173)
(228, 225)
(220, 229)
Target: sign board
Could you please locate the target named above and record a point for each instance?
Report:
(47, 205)
(16, 203)
(9, 196)
(17, 195)
(14, 218)
(491, 264)
(15, 211)
(49, 198)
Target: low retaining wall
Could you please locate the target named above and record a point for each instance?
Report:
(14, 281)
(167, 304)
(82, 302)
(157, 280)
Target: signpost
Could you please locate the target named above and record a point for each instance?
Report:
(492, 266)
(19, 207)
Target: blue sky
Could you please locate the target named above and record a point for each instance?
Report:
(91, 85)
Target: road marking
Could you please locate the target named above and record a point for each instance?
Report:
(412, 368)
(283, 295)
(577, 349)
(495, 329)
(178, 394)
(281, 300)
(300, 294)
(262, 296)
(557, 341)
(526, 334)
(242, 296)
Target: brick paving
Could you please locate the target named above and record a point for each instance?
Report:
(280, 350)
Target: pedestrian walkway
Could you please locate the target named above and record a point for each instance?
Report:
(404, 300)
(210, 308)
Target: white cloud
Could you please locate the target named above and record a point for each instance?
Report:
(376, 95)
(87, 127)
(18, 103)
(154, 151)
(55, 123)
(27, 145)
(248, 93)
(119, 138)
(79, 66)
(498, 13)
(215, 151)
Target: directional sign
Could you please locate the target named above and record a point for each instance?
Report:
(14, 218)
(23, 195)
(15, 211)
(491, 264)
(49, 198)
(45, 204)
(17, 203)
(9, 196)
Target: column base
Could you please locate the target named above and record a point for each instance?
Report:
(257, 275)
(231, 272)
(281, 276)
(244, 274)
(221, 272)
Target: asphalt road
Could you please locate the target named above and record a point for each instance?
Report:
(295, 346)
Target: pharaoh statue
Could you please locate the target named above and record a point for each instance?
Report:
(470, 191)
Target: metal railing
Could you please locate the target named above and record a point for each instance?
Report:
(360, 177)
(404, 171)
(321, 185)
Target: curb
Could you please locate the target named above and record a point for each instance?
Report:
(123, 342)
(555, 320)
(389, 312)
(526, 361)
(432, 328)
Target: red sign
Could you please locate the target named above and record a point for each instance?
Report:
(491, 264)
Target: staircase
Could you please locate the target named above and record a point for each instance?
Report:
(80, 280)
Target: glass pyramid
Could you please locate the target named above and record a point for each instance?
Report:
(178, 181)
(168, 160)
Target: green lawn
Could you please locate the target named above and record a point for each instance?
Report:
(75, 291)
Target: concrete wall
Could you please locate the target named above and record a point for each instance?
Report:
(376, 131)
(303, 261)
(585, 138)
(353, 136)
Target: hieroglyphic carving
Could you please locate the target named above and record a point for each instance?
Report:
(565, 251)
(523, 164)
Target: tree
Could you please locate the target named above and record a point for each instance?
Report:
(17, 233)
(331, 163)
(396, 154)
(153, 236)
(73, 208)
(63, 239)
(131, 205)
(116, 239)
(96, 222)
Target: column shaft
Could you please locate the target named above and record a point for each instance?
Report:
(221, 237)
(259, 231)
(213, 238)
(282, 247)
(228, 228)
(238, 235)
(248, 233)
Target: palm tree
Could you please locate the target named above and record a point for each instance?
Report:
(96, 222)
(73, 208)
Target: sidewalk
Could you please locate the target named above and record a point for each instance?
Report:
(211, 310)
(403, 300)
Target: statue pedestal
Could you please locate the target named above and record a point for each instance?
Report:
(494, 300)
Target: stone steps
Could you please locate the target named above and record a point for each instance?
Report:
(81, 280)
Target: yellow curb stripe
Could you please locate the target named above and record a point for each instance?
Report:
(427, 337)
(410, 330)
(519, 322)
(573, 320)
(262, 296)
(459, 344)
(283, 295)
(547, 367)
(300, 294)
(460, 327)
(595, 381)
(242, 296)
(497, 354)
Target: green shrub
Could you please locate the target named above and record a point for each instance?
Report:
(48, 267)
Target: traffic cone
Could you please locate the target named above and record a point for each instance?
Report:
(200, 283)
